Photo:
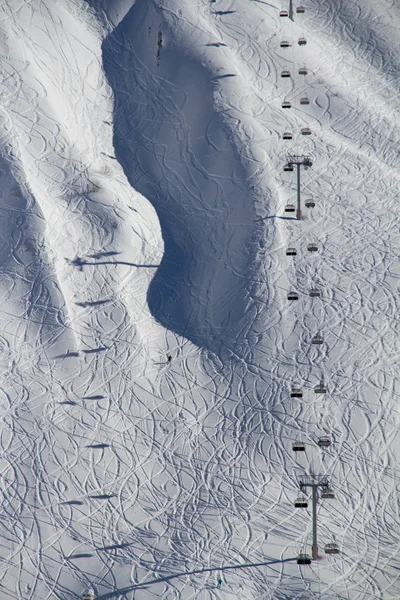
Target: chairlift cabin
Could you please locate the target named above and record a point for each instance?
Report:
(314, 293)
(302, 41)
(298, 447)
(301, 502)
(288, 167)
(305, 131)
(309, 203)
(284, 13)
(290, 208)
(304, 101)
(328, 493)
(303, 71)
(331, 548)
(284, 44)
(312, 248)
(291, 251)
(286, 104)
(287, 136)
(320, 389)
(324, 441)
(89, 594)
(292, 296)
(304, 559)
(300, 10)
(317, 339)
(296, 393)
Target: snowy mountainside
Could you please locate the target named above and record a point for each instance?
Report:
(149, 348)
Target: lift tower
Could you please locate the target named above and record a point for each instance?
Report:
(299, 161)
(315, 482)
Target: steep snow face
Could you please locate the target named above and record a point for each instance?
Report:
(149, 349)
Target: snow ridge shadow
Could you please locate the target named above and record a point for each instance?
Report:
(176, 151)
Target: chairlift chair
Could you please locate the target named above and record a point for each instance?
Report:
(300, 10)
(291, 251)
(304, 559)
(305, 131)
(89, 594)
(307, 162)
(290, 208)
(292, 296)
(331, 548)
(301, 502)
(317, 339)
(314, 293)
(285, 74)
(284, 13)
(309, 203)
(298, 447)
(287, 136)
(296, 393)
(302, 41)
(312, 248)
(284, 44)
(304, 101)
(324, 441)
(303, 71)
(328, 493)
(320, 389)
(286, 104)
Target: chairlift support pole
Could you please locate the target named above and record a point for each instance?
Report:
(314, 483)
(299, 161)
(291, 10)
(298, 215)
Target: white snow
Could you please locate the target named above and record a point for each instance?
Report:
(142, 198)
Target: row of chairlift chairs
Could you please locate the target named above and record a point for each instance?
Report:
(290, 208)
(293, 252)
(324, 441)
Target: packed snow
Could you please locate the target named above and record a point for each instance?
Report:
(150, 354)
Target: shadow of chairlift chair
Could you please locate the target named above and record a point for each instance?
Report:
(287, 136)
(284, 44)
(285, 74)
(298, 447)
(303, 71)
(292, 296)
(331, 548)
(291, 251)
(301, 502)
(290, 208)
(320, 388)
(317, 339)
(309, 203)
(314, 293)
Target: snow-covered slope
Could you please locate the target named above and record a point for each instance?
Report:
(149, 349)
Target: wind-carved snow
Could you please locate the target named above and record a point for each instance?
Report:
(148, 346)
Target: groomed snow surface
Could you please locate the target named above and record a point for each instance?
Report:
(148, 348)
